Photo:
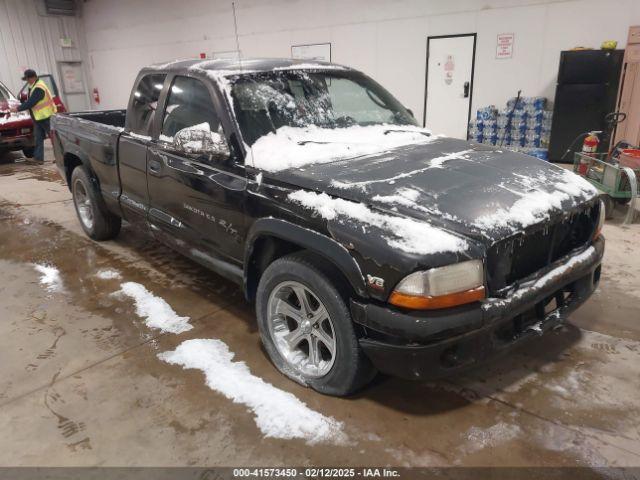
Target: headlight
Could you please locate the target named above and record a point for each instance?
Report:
(601, 216)
(442, 287)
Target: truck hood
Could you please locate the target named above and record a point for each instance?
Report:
(475, 190)
(15, 119)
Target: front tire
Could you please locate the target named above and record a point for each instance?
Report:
(96, 221)
(306, 327)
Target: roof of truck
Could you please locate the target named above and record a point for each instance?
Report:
(231, 66)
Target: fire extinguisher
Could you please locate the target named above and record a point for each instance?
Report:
(96, 95)
(589, 149)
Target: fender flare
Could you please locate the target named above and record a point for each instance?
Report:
(310, 240)
(84, 160)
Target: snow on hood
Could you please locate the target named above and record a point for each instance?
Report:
(406, 234)
(295, 147)
(437, 162)
(536, 203)
(14, 117)
(468, 189)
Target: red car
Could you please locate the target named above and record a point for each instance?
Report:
(16, 130)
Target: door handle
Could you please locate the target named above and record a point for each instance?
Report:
(465, 89)
(154, 167)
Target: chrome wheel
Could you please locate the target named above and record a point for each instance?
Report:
(83, 204)
(301, 329)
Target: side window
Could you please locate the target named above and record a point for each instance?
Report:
(349, 98)
(145, 102)
(189, 104)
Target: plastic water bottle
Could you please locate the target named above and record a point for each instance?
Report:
(487, 113)
(532, 139)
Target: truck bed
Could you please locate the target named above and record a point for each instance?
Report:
(92, 138)
(114, 118)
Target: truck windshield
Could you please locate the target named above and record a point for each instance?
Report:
(266, 102)
(5, 94)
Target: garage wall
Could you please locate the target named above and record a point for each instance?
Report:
(386, 39)
(31, 39)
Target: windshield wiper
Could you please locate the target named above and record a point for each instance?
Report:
(304, 142)
(407, 131)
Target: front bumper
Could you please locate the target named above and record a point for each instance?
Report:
(16, 142)
(432, 344)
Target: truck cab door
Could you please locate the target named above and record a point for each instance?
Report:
(196, 201)
(133, 147)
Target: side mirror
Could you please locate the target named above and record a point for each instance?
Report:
(199, 140)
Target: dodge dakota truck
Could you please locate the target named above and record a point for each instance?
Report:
(367, 243)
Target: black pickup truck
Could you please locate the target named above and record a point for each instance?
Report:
(368, 243)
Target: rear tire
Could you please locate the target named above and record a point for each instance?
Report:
(28, 152)
(96, 221)
(341, 372)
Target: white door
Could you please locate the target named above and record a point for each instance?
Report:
(449, 85)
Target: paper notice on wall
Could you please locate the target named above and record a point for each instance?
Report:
(226, 55)
(317, 51)
(72, 78)
(504, 46)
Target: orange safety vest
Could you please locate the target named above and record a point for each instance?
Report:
(46, 107)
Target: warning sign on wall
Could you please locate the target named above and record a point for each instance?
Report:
(504, 47)
(449, 67)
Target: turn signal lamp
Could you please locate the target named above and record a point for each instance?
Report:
(601, 215)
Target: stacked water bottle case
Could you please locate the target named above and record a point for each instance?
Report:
(524, 129)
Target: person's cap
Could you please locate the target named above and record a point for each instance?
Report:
(28, 73)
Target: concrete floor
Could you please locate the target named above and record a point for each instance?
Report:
(81, 384)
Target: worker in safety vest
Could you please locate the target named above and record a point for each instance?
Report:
(41, 108)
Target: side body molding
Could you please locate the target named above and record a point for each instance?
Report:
(310, 240)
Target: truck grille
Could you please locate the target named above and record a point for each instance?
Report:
(519, 256)
(9, 132)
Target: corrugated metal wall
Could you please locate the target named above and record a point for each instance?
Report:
(31, 39)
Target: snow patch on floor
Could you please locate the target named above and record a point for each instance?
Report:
(478, 438)
(278, 414)
(295, 147)
(108, 274)
(155, 310)
(406, 234)
(49, 277)
(560, 439)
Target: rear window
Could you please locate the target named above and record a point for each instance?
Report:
(145, 103)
